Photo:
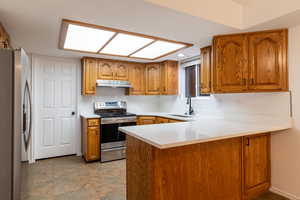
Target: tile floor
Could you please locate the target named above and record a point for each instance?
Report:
(70, 178)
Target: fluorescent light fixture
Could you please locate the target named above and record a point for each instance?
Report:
(86, 39)
(157, 49)
(124, 44)
(91, 38)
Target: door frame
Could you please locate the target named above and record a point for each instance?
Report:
(77, 139)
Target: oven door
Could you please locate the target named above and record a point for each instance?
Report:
(111, 136)
(113, 146)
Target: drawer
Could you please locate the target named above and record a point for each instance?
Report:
(93, 122)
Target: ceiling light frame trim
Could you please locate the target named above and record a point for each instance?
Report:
(64, 29)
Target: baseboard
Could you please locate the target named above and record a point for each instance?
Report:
(285, 194)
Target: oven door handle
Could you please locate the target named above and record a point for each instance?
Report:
(114, 149)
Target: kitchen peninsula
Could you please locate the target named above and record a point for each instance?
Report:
(209, 159)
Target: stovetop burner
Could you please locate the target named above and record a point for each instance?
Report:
(112, 109)
(109, 115)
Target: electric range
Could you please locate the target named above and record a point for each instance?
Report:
(113, 114)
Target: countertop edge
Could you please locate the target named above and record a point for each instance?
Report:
(178, 144)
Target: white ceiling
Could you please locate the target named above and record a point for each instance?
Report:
(35, 25)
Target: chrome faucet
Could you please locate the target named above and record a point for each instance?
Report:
(191, 110)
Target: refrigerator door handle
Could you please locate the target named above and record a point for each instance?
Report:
(27, 138)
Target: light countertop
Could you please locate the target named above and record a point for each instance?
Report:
(204, 129)
(89, 115)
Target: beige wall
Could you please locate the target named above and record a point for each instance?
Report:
(257, 11)
(224, 12)
(286, 147)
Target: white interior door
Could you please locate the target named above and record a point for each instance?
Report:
(56, 106)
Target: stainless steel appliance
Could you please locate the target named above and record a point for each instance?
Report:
(10, 123)
(113, 115)
(113, 83)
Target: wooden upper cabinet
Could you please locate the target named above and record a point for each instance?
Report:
(205, 70)
(146, 79)
(230, 63)
(105, 69)
(267, 61)
(137, 79)
(89, 67)
(169, 77)
(256, 165)
(250, 62)
(121, 71)
(153, 79)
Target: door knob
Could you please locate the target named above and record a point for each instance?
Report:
(73, 113)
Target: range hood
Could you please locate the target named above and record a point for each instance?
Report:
(113, 83)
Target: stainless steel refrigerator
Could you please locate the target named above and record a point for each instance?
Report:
(11, 117)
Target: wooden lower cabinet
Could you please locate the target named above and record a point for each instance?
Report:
(174, 121)
(208, 171)
(91, 139)
(144, 120)
(256, 165)
(229, 169)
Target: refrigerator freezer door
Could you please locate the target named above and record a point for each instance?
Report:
(6, 123)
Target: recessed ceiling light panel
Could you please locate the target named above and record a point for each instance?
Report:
(124, 44)
(86, 39)
(157, 49)
(80, 36)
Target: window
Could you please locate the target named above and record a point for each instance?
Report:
(192, 81)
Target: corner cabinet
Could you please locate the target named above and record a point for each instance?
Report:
(257, 165)
(205, 73)
(89, 69)
(248, 62)
(91, 139)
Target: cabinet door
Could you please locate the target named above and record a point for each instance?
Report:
(174, 121)
(256, 164)
(93, 143)
(121, 71)
(267, 56)
(169, 77)
(105, 70)
(89, 76)
(230, 63)
(146, 120)
(205, 73)
(137, 79)
(161, 120)
(153, 79)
